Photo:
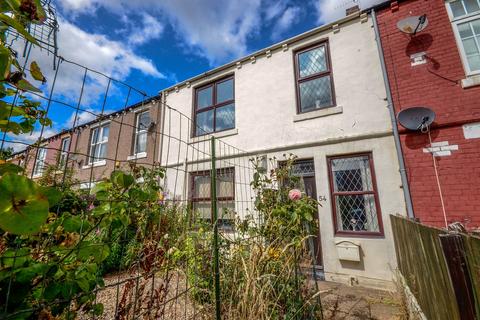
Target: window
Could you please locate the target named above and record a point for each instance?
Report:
(214, 107)
(354, 195)
(142, 123)
(40, 162)
(201, 196)
(313, 75)
(65, 146)
(98, 144)
(465, 17)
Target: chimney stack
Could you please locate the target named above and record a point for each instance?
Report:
(352, 10)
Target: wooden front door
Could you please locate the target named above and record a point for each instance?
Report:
(305, 170)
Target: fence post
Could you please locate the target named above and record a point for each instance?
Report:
(216, 267)
(454, 252)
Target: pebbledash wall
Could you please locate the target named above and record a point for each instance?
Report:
(441, 82)
(267, 123)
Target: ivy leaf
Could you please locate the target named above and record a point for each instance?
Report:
(122, 179)
(27, 274)
(75, 224)
(10, 168)
(36, 72)
(17, 26)
(5, 62)
(24, 85)
(15, 258)
(53, 195)
(97, 309)
(97, 251)
(23, 209)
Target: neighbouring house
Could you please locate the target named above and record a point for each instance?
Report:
(321, 96)
(438, 68)
(94, 149)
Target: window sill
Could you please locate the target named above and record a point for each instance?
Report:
(221, 134)
(359, 234)
(140, 155)
(318, 113)
(471, 81)
(36, 176)
(95, 164)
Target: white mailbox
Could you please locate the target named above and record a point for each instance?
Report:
(348, 250)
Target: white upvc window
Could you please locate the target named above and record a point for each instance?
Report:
(465, 18)
(40, 162)
(142, 122)
(64, 151)
(98, 144)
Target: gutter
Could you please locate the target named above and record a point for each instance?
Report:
(393, 118)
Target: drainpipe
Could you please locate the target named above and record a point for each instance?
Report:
(393, 118)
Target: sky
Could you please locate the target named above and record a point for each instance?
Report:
(153, 44)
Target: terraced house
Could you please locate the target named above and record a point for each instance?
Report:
(321, 95)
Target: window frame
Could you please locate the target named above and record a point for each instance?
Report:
(328, 72)
(39, 164)
(455, 22)
(374, 192)
(91, 145)
(137, 132)
(214, 105)
(207, 173)
(63, 152)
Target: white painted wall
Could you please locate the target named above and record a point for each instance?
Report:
(265, 112)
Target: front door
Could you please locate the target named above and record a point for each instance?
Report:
(305, 169)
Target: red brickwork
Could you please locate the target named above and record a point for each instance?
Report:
(437, 85)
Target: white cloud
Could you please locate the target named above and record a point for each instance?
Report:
(283, 15)
(21, 141)
(331, 10)
(95, 51)
(151, 29)
(216, 30)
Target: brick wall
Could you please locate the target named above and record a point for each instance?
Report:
(437, 85)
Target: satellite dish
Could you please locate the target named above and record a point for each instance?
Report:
(413, 24)
(416, 118)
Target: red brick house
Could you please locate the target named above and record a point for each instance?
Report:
(439, 68)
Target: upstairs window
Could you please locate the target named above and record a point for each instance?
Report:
(214, 107)
(465, 18)
(354, 195)
(98, 144)
(201, 196)
(142, 123)
(313, 76)
(65, 146)
(40, 163)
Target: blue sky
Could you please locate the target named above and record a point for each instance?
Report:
(152, 44)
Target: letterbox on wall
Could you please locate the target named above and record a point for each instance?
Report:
(348, 251)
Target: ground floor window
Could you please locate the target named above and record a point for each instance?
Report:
(201, 195)
(354, 195)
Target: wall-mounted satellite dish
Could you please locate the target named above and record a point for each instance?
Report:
(412, 25)
(416, 118)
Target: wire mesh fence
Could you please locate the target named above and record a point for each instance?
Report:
(129, 215)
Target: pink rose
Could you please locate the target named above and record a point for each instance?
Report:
(90, 207)
(294, 194)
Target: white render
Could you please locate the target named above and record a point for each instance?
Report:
(267, 123)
